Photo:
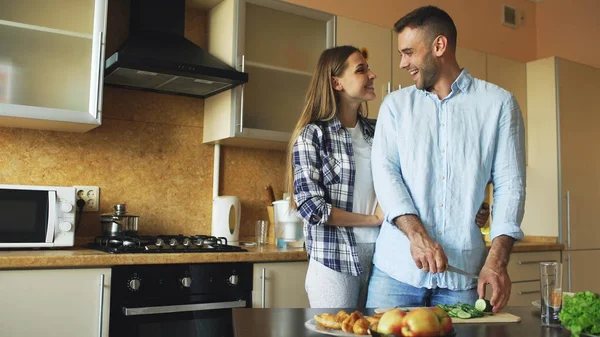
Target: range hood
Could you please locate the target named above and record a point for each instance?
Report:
(157, 56)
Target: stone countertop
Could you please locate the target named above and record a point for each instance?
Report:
(83, 257)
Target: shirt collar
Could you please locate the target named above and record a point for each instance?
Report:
(462, 82)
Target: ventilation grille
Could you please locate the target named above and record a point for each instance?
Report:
(509, 16)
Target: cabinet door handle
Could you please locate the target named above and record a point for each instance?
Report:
(569, 220)
(100, 75)
(529, 292)
(242, 98)
(101, 306)
(569, 271)
(534, 262)
(389, 88)
(262, 288)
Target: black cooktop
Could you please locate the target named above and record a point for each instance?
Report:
(163, 244)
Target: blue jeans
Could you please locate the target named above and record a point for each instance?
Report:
(386, 292)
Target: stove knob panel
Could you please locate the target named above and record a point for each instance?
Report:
(233, 280)
(134, 284)
(173, 242)
(186, 281)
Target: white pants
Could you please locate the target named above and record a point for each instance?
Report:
(327, 288)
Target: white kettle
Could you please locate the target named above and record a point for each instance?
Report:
(226, 218)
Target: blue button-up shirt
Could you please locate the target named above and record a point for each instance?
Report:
(433, 158)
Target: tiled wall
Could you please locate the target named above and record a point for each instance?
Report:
(149, 154)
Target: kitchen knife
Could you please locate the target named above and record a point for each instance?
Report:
(462, 272)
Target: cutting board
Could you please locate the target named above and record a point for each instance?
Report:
(502, 317)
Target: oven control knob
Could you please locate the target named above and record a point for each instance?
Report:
(66, 207)
(65, 226)
(134, 284)
(233, 280)
(186, 281)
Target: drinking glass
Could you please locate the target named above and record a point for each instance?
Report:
(262, 228)
(551, 293)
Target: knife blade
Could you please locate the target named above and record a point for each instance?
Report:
(462, 272)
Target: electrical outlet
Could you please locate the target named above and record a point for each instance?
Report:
(91, 195)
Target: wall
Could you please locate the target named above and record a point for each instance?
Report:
(569, 29)
(478, 22)
(148, 153)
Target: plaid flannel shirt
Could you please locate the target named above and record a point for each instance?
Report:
(324, 173)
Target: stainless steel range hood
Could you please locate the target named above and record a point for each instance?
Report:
(157, 57)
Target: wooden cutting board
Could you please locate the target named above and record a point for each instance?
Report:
(502, 317)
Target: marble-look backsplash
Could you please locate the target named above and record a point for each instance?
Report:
(149, 154)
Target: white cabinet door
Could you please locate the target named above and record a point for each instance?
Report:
(282, 285)
(278, 45)
(374, 41)
(57, 302)
(52, 64)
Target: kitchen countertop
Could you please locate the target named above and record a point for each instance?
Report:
(83, 257)
(290, 323)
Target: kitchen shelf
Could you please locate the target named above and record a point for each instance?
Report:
(276, 68)
(45, 29)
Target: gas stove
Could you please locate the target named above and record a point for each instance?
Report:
(163, 244)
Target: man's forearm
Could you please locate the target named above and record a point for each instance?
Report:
(410, 225)
(500, 252)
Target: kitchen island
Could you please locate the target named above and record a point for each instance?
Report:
(290, 323)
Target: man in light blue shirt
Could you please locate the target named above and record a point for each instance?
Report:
(437, 145)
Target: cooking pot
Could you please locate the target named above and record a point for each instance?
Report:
(119, 222)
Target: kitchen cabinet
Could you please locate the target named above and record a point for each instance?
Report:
(280, 285)
(374, 41)
(582, 273)
(278, 45)
(59, 302)
(52, 64)
(564, 170)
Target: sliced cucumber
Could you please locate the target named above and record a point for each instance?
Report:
(462, 314)
(483, 305)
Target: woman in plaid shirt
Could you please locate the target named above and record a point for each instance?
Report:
(329, 173)
(330, 176)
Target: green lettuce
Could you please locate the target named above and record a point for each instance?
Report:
(581, 313)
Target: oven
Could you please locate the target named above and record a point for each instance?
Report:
(184, 300)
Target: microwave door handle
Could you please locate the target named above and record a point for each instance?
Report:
(51, 216)
(182, 308)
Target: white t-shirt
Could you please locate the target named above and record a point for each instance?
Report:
(364, 200)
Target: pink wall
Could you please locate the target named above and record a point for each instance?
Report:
(478, 21)
(569, 29)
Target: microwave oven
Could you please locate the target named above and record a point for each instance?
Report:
(37, 216)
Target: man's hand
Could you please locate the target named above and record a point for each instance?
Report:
(500, 282)
(428, 255)
(494, 272)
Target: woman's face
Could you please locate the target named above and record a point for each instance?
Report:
(356, 82)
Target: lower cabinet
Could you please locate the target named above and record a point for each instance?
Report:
(280, 285)
(58, 302)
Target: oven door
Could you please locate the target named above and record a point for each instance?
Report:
(28, 217)
(212, 319)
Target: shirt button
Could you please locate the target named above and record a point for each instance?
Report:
(441, 204)
(443, 151)
(443, 177)
(443, 125)
(439, 233)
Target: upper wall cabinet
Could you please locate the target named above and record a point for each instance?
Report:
(51, 64)
(278, 45)
(374, 43)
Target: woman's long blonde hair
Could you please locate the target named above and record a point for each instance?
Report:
(321, 103)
